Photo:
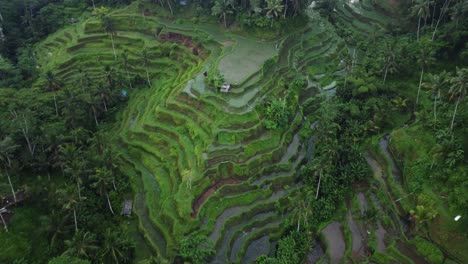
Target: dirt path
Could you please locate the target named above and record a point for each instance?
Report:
(210, 191)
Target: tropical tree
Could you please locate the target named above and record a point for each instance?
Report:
(109, 26)
(82, 244)
(7, 149)
(102, 180)
(425, 58)
(276, 114)
(301, 210)
(347, 63)
(116, 248)
(146, 62)
(458, 89)
(435, 84)
(421, 10)
(389, 61)
(441, 15)
(196, 248)
(68, 197)
(221, 9)
(53, 84)
(274, 8)
(125, 65)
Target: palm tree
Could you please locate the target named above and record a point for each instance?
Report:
(68, 196)
(53, 84)
(103, 179)
(458, 11)
(72, 163)
(125, 64)
(7, 148)
(301, 210)
(389, 61)
(109, 27)
(221, 9)
(146, 61)
(274, 9)
(442, 13)
(347, 63)
(458, 88)
(425, 58)
(421, 10)
(435, 84)
(116, 247)
(82, 245)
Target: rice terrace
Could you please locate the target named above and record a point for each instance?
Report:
(275, 131)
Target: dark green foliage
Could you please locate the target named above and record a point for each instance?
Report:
(276, 114)
(196, 248)
(292, 249)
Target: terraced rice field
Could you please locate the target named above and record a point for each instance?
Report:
(199, 159)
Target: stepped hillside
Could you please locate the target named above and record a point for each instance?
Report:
(203, 161)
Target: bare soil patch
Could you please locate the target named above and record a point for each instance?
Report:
(210, 191)
(182, 40)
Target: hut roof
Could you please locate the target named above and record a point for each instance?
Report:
(127, 207)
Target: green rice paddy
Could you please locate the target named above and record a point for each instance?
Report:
(199, 159)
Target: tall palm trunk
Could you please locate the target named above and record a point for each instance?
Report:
(128, 78)
(420, 83)
(433, 14)
(147, 77)
(385, 75)
(11, 185)
(419, 25)
(76, 222)
(170, 7)
(113, 47)
(109, 203)
(435, 110)
(299, 222)
(55, 103)
(4, 223)
(95, 117)
(455, 113)
(285, 9)
(224, 18)
(94, 6)
(444, 9)
(318, 187)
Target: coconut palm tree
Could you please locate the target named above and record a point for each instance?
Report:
(425, 58)
(221, 9)
(125, 64)
(146, 61)
(389, 61)
(116, 247)
(109, 27)
(441, 15)
(301, 210)
(53, 84)
(7, 148)
(102, 180)
(421, 10)
(274, 8)
(435, 84)
(82, 245)
(458, 11)
(458, 89)
(68, 197)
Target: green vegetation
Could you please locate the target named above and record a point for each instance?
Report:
(343, 127)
